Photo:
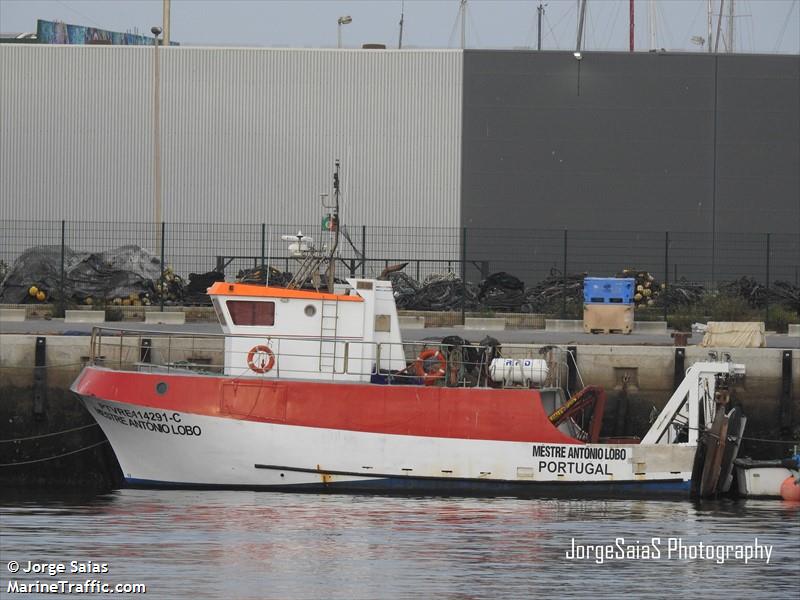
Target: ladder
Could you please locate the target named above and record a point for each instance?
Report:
(329, 318)
(308, 268)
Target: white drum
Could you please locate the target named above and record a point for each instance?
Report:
(519, 371)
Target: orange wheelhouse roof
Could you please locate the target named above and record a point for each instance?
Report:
(221, 288)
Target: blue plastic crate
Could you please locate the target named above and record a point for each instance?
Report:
(609, 290)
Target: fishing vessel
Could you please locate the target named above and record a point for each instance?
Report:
(315, 390)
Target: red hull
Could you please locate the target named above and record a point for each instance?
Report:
(464, 413)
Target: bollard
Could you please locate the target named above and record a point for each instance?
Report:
(785, 424)
(40, 378)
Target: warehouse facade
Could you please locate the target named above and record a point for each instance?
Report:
(432, 141)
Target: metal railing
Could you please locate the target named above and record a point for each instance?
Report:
(464, 365)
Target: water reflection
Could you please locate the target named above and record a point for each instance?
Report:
(260, 545)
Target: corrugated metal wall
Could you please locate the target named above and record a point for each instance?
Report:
(249, 135)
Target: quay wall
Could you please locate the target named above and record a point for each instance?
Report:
(638, 381)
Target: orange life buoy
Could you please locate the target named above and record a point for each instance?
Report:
(430, 366)
(260, 359)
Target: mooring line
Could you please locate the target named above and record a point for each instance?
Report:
(44, 435)
(766, 441)
(38, 460)
(61, 366)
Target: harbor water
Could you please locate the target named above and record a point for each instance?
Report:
(230, 544)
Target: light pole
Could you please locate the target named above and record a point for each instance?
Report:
(345, 20)
(156, 140)
(165, 19)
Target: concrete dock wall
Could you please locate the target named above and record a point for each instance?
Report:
(637, 379)
(646, 370)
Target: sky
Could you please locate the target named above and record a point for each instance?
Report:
(760, 26)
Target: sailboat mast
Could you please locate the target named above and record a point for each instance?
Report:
(631, 25)
(731, 11)
(402, 10)
(463, 9)
(653, 25)
(581, 20)
(719, 26)
(540, 12)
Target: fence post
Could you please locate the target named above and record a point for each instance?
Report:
(564, 280)
(163, 283)
(666, 274)
(263, 243)
(463, 275)
(62, 305)
(363, 251)
(766, 296)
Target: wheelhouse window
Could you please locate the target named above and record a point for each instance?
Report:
(249, 312)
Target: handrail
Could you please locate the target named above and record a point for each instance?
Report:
(171, 355)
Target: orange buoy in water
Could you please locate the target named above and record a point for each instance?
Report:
(790, 489)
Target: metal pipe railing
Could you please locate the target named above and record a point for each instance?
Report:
(196, 351)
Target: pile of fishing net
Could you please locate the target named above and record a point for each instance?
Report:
(499, 292)
(277, 278)
(681, 293)
(551, 293)
(441, 292)
(125, 273)
(196, 289)
(502, 292)
(786, 294)
(758, 295)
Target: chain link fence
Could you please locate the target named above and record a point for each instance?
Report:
(471, 254)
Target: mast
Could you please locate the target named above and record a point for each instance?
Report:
(730, 25)
(710, 24)
(652, 24)
(581, 21)
(463, 10)
(719, 26)
(402, 10)
(540, 11)
(335, 224)
(631, 25)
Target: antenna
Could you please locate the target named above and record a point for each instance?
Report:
(335, 226)
(300, 243)
(269, 258)
(313, 258)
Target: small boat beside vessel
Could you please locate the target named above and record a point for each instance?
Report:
(779, 478)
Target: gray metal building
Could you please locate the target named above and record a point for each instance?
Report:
(249, 135)
(632, 147)
(687, 142)
(514, 146)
